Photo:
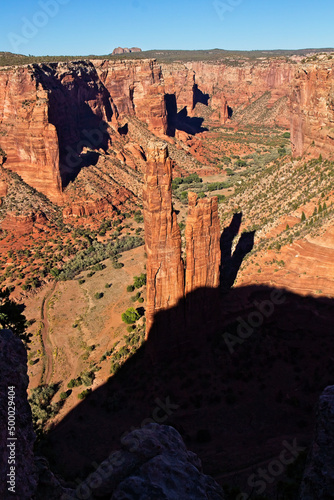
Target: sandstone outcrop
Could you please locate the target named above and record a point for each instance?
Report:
(23, 224)
(318, 480)
(125, 50)
(166, 283)
(165, 270)
(202, 243)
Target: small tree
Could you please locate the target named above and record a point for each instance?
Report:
(303, 217)
(139, 281)
(130, 316)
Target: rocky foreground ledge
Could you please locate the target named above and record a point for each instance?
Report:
(318, 481)
(153, 461)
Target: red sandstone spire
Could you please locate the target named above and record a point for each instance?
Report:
(165, 272)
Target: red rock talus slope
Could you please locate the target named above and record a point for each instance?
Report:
(29, 140)
(312, 109)
(165, 273)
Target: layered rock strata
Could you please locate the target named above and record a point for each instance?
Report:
(137, 89)
(231, 90)
(52, 116)
(28, 138)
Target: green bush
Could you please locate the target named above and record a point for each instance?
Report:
(139, 281)
(240, 163)
(117, 265)
(130, 288)
(130, 316)
(138, 217)
(74, 382)
(87, 378)
(98, 295)
(134, 298)
(84, 394)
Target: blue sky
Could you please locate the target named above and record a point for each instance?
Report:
(82, 27)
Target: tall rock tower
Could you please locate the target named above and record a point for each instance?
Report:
(179, 301)
(165, 270)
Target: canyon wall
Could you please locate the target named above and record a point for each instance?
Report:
(312, 110)
(57, 118)
(27, 137)
(52, 116)
(230, 88)
(137, 89)
(167, 284)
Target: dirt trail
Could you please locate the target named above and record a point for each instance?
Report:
(47, 373)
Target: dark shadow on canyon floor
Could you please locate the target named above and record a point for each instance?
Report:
(199, 96)
(179, 120)
(231, 262)
(236, 375)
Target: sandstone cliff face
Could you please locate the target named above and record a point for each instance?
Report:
(28, 138)
(125, 50)
(165, 272)
(236, 86)
(52, 116)
(137, 89)
(312, 110)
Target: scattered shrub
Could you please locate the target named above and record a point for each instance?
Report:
(130, 316)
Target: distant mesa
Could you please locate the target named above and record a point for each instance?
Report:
(120, 50)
